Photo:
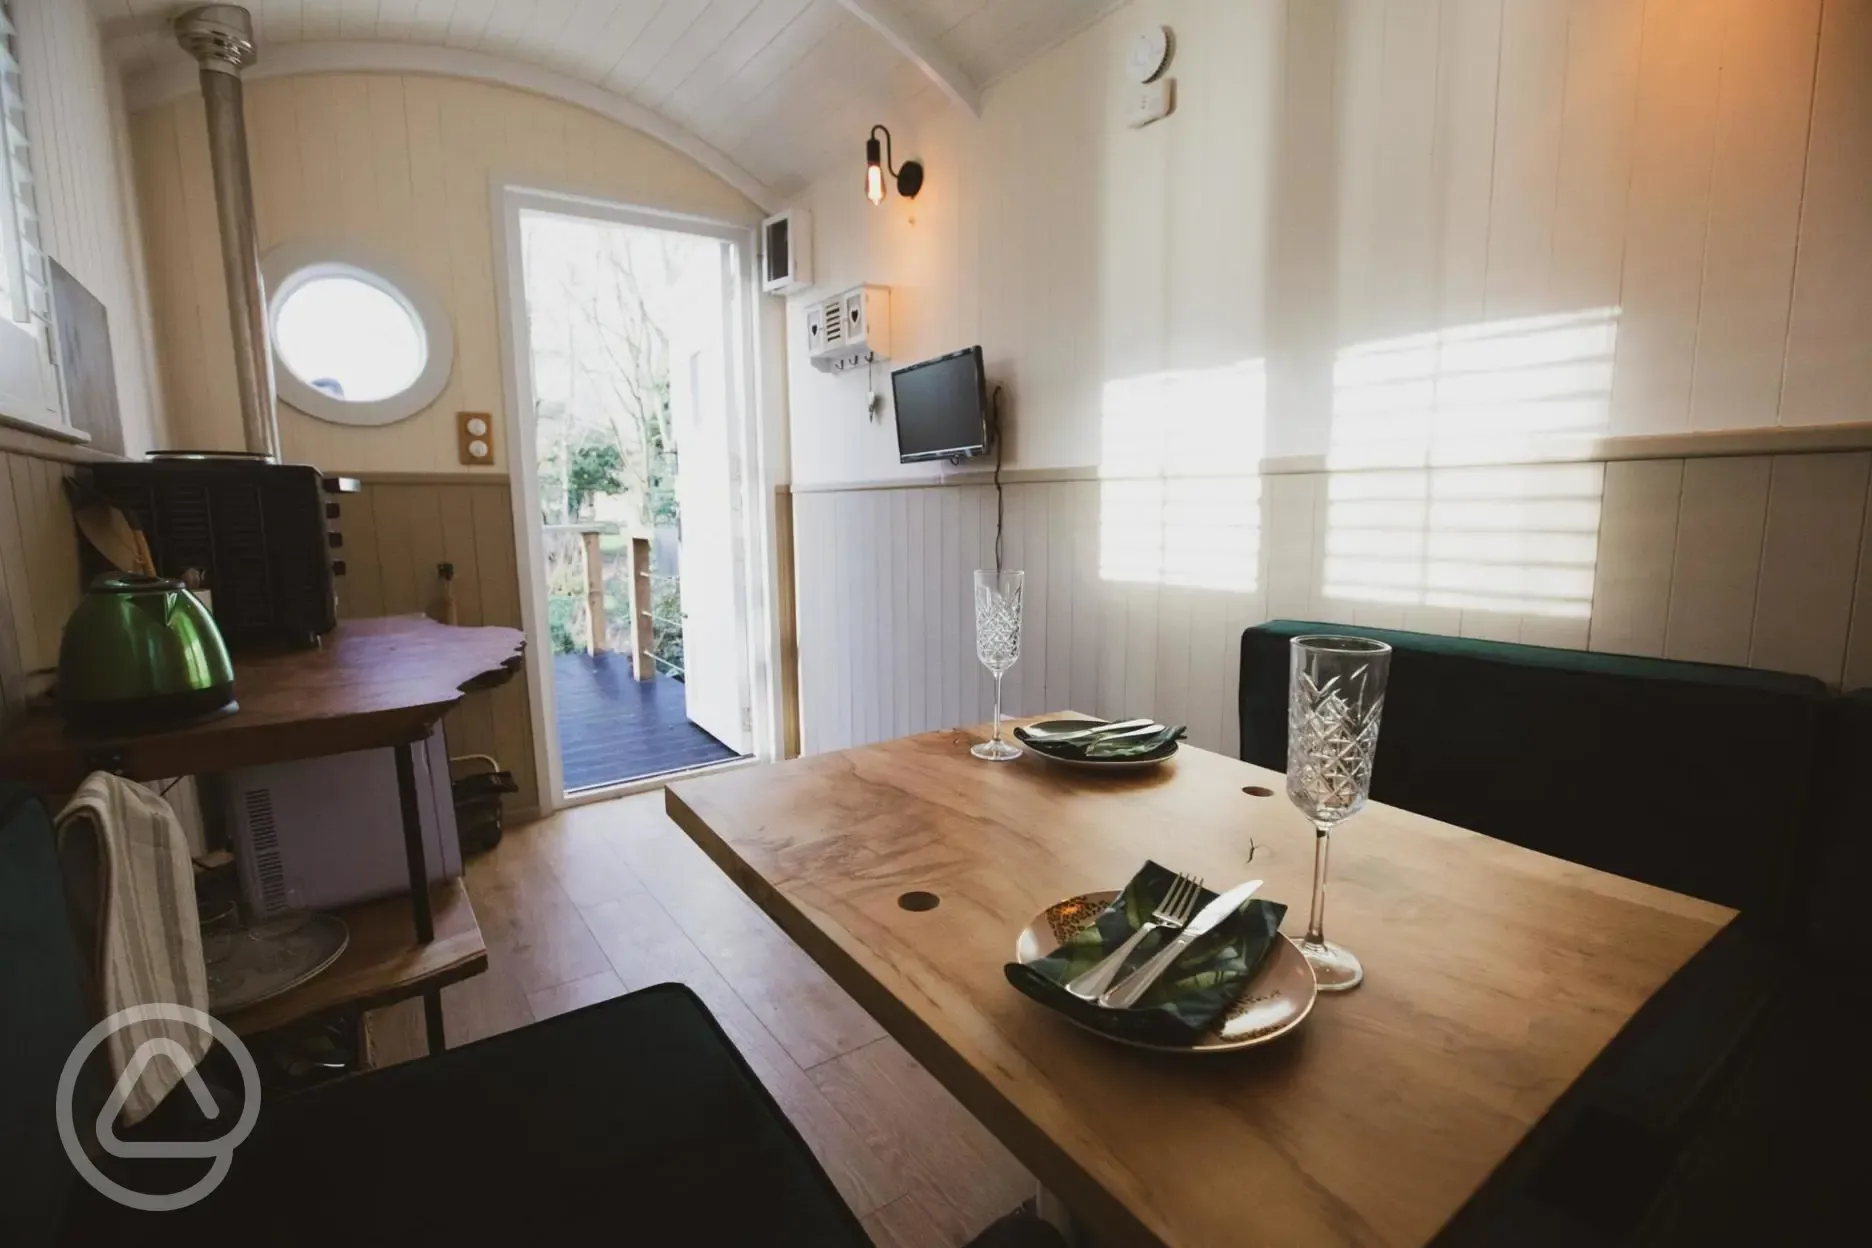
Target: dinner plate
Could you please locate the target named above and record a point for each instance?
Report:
(248, 965)
(1274, 1001)
(1167, 750)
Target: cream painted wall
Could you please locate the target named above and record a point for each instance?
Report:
(401, 166)
(1340, 173)
(87, 203)
(1376, 234)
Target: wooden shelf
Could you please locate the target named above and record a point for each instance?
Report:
(383, 963)
(368, 684)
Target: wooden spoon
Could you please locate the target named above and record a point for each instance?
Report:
(113, 536)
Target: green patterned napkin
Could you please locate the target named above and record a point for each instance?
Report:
(1105, 749)
(1182, 1005)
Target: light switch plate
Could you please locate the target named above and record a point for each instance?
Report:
(1150, 102)
(475, 437)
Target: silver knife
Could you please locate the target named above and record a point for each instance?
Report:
(1105, 737)
(1096, 730)
(1127, 990)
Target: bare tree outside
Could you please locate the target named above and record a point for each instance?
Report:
(598, 295)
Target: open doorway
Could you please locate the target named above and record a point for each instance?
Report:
(631, 379)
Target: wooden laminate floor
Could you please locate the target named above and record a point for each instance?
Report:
(607, 898)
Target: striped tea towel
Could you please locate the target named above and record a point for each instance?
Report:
(127, 868)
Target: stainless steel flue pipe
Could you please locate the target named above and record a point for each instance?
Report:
(220, 38)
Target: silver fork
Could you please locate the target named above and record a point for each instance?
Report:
(1178, 904)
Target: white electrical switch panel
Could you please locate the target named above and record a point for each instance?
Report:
(1150, 102)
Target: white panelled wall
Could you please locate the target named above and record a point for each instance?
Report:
(1759, 561)
(81, 154)
(1373, 329)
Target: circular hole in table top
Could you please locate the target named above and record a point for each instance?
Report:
(918, 900)
(1258, 790)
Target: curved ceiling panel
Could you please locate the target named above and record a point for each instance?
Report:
(776, 92)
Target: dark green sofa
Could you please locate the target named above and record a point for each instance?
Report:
(1690, 776)
(1731, 1110)
(1725, 1112)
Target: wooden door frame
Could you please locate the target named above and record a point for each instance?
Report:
(753, 322)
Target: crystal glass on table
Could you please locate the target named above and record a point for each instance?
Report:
(1335, 698)
(997, 645)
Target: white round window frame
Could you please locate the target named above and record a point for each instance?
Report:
(289, 267)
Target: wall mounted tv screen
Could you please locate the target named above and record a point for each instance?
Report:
(942, 407)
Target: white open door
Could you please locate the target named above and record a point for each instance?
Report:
(708, 503)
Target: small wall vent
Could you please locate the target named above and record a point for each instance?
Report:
(269, 867)
(786, 252)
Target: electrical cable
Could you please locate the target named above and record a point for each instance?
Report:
(1000, 444)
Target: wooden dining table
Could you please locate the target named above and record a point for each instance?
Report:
(1493, 976)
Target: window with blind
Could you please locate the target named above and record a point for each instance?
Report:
(29, 387)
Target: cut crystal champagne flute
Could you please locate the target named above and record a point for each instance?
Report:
(997, 645)
(1334, 701)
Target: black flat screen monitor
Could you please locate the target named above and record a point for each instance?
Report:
(942, 407)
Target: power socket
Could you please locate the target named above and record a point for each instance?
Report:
(475, 438)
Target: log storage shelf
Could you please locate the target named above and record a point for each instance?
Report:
(371, 684)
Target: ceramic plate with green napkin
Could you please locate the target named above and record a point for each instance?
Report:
(1124, 749)
(1240, 983)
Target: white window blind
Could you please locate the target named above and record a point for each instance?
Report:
(29, 389)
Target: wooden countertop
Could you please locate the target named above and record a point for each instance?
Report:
(372, 683)
(1493, 976)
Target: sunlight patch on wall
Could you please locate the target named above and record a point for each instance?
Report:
(1505, 391)
(1203, 532)
(1519, 540)
(1181, 502)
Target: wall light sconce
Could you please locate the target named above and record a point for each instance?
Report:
(909, 175)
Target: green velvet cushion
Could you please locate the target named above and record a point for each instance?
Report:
(634, 1121)
(1831, 878)
(42, 1016)
(605, 1125)
(1690, 776)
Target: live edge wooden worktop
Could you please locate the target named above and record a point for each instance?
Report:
(371, 684)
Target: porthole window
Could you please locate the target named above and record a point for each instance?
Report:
(354, 342)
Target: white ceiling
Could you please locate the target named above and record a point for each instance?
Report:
(784, 88)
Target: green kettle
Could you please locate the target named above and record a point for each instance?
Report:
(141, 652)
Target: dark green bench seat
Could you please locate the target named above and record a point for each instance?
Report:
(1730, 1111)
(1690, 776)
(634, 1121)
(1723, 1113)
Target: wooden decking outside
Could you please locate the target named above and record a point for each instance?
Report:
(613, 727)
(603, 899)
